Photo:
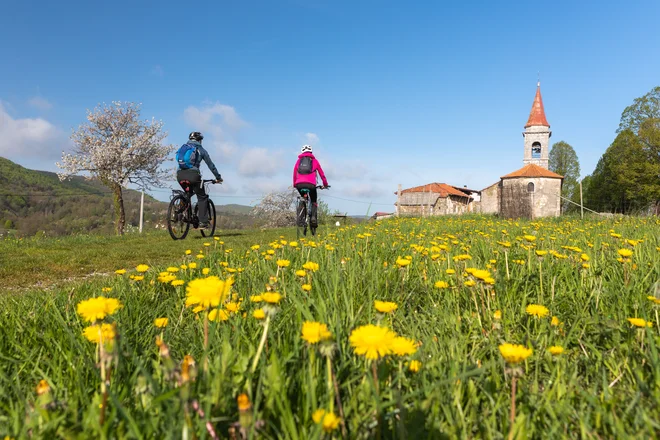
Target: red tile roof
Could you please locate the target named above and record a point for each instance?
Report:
(439, 188)
(532, 170)
(537, 115)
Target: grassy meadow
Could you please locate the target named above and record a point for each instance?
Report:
(394, 329)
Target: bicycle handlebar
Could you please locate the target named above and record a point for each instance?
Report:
(322, 187)
(209, 181)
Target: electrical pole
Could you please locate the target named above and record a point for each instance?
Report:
(581, 204)
(141, 209)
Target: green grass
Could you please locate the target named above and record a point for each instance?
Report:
(47, 262)
(606, 384)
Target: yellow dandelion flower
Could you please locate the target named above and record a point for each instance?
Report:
(311, 266)
(232, 307)
(330, 422)
(639, 322)
(177, 283)
(385, 306)
(207, 292)
(625, 252)
(414, 366)
(205, 271)
(192, 265)
(106, 289)
(172, 269)
(243, 402)
(481, 274)
(441, 285)
(259, 314)
(161, 322)
(537, 310)
(199, 256)
(513, 353)
(653, 299)
(470, 283)
(43, 387)
(314, 332)
(271, 297)
(137, 277)
(584, 257)
(450, 271)
(188, 252)
(541, 253)
(120, 271)
(497, 315)
(301, 273)
(283, 263)
(402, 262)
(530, 238)
(306, 287)
(401, 346)
(256, 298)
(555, 321)
(97, 308)
(317, 416)
(94, 333)
(218, 315)
(142, 268)
(371, 341)
(556, 350)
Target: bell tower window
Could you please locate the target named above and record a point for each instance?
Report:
(530, 187)
(536, 150)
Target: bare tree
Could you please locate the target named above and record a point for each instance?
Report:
(277, 209)
(118, 148)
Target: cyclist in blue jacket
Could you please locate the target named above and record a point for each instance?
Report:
(189, 173)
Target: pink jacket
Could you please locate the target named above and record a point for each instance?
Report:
(311, 177)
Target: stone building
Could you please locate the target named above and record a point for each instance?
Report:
(434, 199)
(533, 190)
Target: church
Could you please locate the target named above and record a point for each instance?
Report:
(532, 191)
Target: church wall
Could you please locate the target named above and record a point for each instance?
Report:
(517, 202)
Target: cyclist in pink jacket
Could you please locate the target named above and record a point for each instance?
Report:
(304, 177)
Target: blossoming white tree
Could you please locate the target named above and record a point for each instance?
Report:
(117, 148)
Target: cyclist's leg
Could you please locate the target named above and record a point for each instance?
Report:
(202, 203)
(302, 206)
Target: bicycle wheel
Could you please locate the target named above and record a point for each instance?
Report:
(177, 221)
(301, 219)
(212, 220)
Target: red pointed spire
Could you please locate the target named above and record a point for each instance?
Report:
(537, 115)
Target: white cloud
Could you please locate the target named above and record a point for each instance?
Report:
(29, 137)
(264, 187)
(311, 138)
(346, 170)
(219, 123)
(40, 103)
(260, 162)
(366, 191)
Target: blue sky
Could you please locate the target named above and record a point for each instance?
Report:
(388, 92)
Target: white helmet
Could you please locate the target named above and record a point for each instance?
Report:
(306, 149)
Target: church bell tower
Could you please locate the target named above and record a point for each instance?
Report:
(537, 134)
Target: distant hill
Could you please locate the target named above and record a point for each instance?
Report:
(33, 201)
(233, 208)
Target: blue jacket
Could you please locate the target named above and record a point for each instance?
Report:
(204, 155)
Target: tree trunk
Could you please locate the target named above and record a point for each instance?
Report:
(120, 215)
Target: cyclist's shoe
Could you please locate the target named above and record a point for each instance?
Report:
(313, 218)
(204, 225)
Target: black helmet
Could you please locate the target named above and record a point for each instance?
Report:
(196, 136)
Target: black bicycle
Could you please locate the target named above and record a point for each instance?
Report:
(304, 212)
(182, 213)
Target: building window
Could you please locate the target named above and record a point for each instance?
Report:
(536, 150)
(530, 187)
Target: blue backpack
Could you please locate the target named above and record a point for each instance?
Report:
(187, 157)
